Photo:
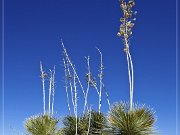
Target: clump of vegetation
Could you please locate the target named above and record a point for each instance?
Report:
(89, 123)
(42, 125)
(140, 121)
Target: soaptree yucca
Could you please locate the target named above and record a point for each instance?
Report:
(125, 32)
(97, 123)
(42, 125)
(69, 123)
(140, 121)
(90, 123)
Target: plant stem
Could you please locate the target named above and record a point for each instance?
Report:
(68, 59)
(75, 108)
(43, 75)
(53, 91)
(88, 83)
(66, 87)
(89, 124)
(50, 90)
(100, 79)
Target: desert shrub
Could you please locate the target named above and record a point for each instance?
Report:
(42, 125)
(97, 124)
(139, 121)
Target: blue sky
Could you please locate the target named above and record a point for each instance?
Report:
(33, 30)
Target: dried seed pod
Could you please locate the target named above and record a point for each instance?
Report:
(126, 15)
(131, 3)
(129, 32)
(129, 24)
(121, 31)
(125, 36)
(123, 6)
(126, 26)
(122, 28)
(122, 20)
(44, 75)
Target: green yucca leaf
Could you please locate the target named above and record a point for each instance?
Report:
(97, 124)
(42, 125)
(140, 121)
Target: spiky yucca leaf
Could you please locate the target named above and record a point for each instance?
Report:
(42, 125)
(69, 128)
(97, 124)
(139, 121)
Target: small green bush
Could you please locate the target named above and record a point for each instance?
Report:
(139, 121)
(42, 125)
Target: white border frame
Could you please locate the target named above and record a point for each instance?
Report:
(177, 79)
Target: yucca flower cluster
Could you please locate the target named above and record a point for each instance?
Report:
(127, 20)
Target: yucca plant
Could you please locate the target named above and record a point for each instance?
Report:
(69, 128)
(98, 123)
(140, 121)
(42, 125)
(93, 126)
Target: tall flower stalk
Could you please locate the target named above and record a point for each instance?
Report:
(91, 81)
(70, 80)
(66, 85)
(100, 75)
(50, 90)
(43, 76)
(89, 122)
(53, 90)
(88, 79)
(73, 67)
(75, 102)
(107, 96)
(125, 32)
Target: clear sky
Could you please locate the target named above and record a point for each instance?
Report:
(33, 30)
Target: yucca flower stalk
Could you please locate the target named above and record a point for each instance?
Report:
(88, 79)
(107, 96)
(102, 86)
(73, 67)
(92, 82)
(75, 102)
(53, 90)
(73, 85)
(66, 85)
(89, 124)
(100, 75)
(43, 76)
(69, 78)
(50, 91)
(125, 32)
